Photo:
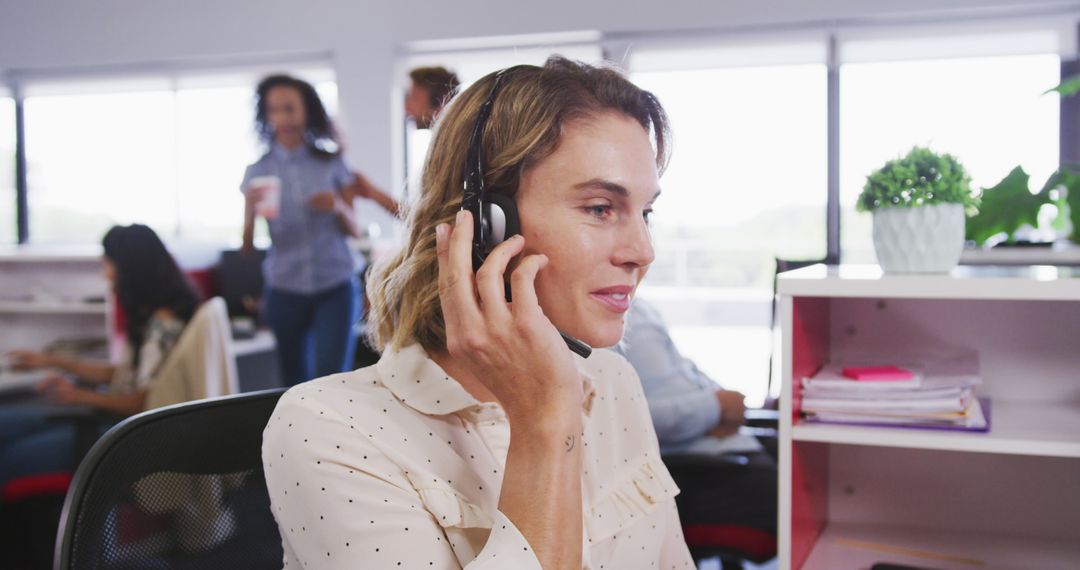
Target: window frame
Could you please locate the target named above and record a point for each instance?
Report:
(21, 83)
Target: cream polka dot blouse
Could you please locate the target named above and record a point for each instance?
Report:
(397, 466)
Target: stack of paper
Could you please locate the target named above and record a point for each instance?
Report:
(924, 400)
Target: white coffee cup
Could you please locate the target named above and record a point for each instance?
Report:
(269, 205)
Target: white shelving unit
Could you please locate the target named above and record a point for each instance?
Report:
(52, 293)
(851, 496)
(45, 308)
(1021, 428)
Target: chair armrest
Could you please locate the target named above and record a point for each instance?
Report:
(684, 466)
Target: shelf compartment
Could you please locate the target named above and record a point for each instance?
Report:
(1020, 428)
(845, 546)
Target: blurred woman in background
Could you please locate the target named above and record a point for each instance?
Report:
(304, 191)
(157, 302)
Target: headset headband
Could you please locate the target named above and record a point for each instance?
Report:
(473, 199)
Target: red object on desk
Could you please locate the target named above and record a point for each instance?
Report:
(877, 373)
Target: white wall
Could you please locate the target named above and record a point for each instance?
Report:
(364, 37)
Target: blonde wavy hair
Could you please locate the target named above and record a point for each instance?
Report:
(533, 106)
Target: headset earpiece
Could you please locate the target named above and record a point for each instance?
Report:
(501, 219)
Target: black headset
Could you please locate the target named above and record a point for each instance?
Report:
(495, 216)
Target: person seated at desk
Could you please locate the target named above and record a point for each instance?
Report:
(157, 302)
(692, 414)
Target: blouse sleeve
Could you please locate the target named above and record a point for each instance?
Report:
(249, 173)
(674, 552)
(342, 175)
(161, 337)
(341, 503)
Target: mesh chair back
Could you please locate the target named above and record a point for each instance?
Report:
(178, 487)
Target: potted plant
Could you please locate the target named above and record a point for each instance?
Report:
(919, 204)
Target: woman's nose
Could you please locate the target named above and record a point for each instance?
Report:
(635, 245)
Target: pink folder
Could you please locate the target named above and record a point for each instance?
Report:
(877, 373)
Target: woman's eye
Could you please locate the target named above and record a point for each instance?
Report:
(646, 215)
(598, 211)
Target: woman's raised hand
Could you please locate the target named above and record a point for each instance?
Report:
(512, 348)
(253, 195)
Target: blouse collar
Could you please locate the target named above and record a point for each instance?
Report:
(420, 383)
(288, 153)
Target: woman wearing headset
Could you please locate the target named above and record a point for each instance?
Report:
(480, 440)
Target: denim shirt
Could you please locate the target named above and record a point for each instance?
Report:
(309, 253)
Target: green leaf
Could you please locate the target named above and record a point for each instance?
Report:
(1066, 202)
(1060, 223)
(1073, 199)
(1005, 207)
(1067, 88)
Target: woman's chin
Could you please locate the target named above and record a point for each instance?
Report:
(601, 336)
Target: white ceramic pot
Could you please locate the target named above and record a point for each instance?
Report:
(927, 239)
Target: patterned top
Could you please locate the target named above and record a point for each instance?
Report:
(397, 465)
(161, 337)
(309, 252)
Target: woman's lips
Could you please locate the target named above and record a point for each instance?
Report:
(616, 299)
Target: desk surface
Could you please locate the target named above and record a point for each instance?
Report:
(263, 341)
(20, 381)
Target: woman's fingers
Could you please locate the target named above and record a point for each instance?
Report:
(523, 286)
(442, 251)
(474, 306)
(456, 282)
(491, 279)
(255, 193)
(25, 359)
(48, 383)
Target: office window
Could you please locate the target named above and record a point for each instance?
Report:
(747, 177)
(8, 227)
(215, 141)
(169, 153)
(990, 112)
(746, 183)
(98, 159)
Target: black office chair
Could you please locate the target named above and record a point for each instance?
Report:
(30, 505)
(746, 537)
(179, 487)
